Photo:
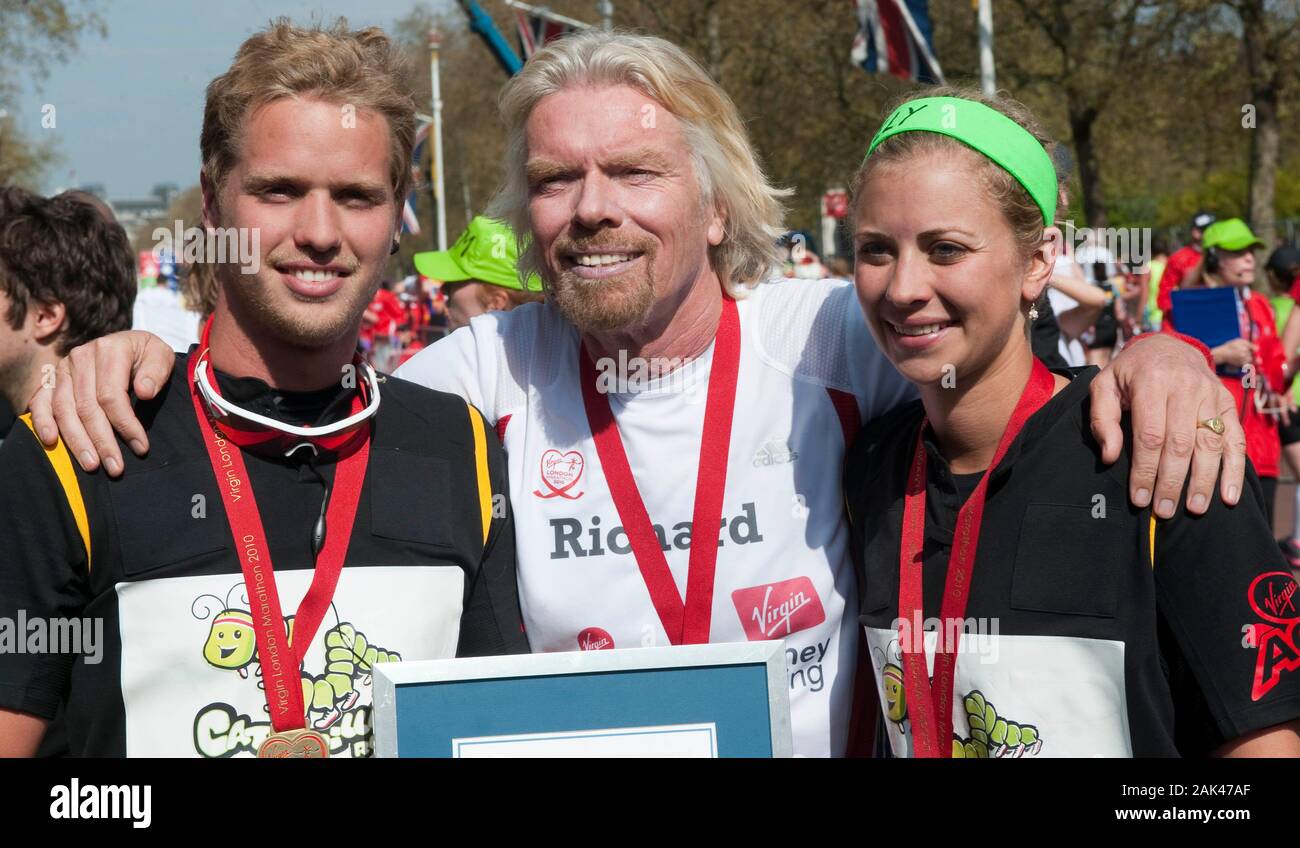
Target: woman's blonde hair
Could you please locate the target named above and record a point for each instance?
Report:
(1024, 215)
(357, 68)
(728, 173)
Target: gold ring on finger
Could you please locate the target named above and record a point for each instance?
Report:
(1214, 425)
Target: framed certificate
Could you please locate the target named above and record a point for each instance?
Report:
(719, 700)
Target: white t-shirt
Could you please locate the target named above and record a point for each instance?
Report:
(1091, 254)
(1071, 349)
(784, 568)
(161, 311)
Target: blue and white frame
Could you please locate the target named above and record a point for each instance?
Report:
(723, 700)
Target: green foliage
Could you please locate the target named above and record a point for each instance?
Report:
(34, 34)
(1163, 83)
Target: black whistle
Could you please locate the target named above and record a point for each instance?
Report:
(319, 528)
(318, 535)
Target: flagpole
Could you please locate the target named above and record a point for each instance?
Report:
(988, 81)
(547, 15)
(439, 199)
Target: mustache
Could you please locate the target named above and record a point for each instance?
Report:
(351, 263)
(604, 245)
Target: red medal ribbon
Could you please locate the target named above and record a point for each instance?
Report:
(931, 712)
(685, 623)
(280, 661)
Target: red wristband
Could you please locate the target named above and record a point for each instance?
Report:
(1196, 343)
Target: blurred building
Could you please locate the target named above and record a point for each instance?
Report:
(134, 213)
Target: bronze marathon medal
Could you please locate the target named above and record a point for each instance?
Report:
(302, 744)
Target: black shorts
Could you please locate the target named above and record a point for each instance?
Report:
(1105, 333)
(1290, 433)
(1269, 485)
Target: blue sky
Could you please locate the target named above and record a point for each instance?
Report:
(129, 106)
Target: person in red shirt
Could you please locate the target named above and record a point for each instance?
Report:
(384, 313)
(1184, 259)
(411, 348)
(1283, 272)
(1229, 260)
(416, 307)
(379, 325)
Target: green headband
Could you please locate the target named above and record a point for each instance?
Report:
(987, 131)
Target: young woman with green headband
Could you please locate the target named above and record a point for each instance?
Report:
(1016, 604)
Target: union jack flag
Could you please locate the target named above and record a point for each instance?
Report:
(535, 32)
(410, 223)
(895, 37)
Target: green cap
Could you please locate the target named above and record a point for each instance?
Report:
(987, 131)
(486, 251)
(1230, 234)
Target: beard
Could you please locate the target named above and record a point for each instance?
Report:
(291, 319)
(614, 303)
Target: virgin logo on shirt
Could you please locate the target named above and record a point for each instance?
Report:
(595, 639)
(1273, 597)
(560, 473)
(775, 610)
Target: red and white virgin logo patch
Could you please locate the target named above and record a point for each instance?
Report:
(560, 473)
(595, 639)
(1273, 596)
(775, 610)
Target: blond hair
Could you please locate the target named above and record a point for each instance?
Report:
(1021, 211)
(729, 176)
(359, 68)
(199, 288)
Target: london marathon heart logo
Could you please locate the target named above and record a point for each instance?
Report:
(560, 473)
